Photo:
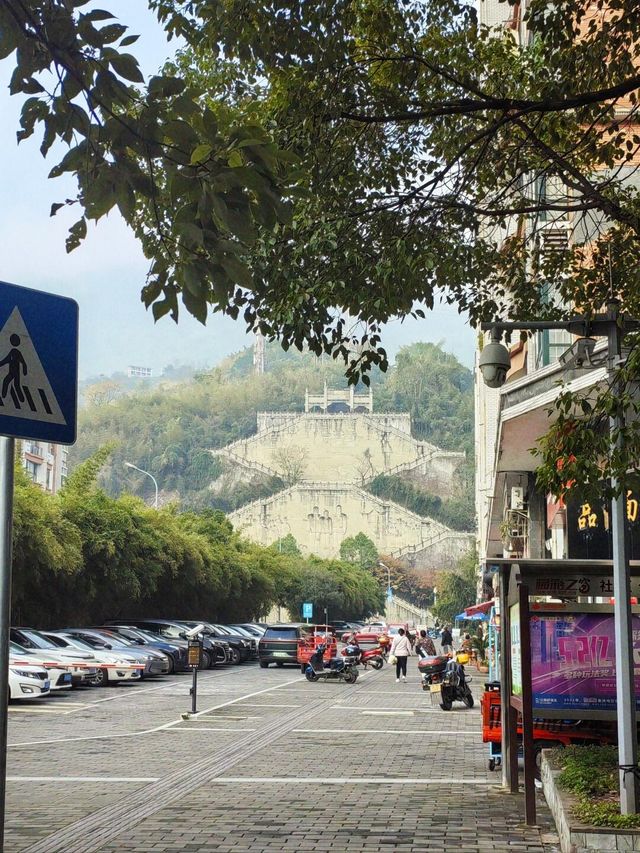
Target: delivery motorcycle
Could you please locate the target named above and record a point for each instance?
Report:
(337, 669)
(446, 681)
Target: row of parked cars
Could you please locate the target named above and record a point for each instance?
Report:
(44, 661)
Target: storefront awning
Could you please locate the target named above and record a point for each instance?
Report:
(483, 607)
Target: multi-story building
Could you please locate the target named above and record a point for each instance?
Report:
(45, 463)
(139, 372)
(514, 518)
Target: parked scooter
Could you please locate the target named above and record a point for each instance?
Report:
(367, 657)
(446, 680)
(337, 669)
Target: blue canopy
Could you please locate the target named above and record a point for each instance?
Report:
(476, 617)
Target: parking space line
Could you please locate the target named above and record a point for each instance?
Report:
(265, 705)
(203, 729)
(359, 732)
(82, 779)
(172, 723)
(393, 713)
(348, 780)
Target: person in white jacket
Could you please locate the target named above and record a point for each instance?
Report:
(401, 648)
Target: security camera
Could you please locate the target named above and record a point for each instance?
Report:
(494, 362)
(192, 633)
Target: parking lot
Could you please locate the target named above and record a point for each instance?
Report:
(271, 762)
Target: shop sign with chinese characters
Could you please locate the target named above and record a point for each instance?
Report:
(574, 585)
(589, 528)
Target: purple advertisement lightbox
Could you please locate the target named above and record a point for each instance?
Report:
(573, 661)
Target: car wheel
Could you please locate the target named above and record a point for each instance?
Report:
(102, 678)
(279, 663)
(205, 660)
(264, 664)
(172, 665)
(235, 657)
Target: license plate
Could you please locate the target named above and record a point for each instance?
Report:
(47, 685)
(280, 655)
(435, 688)
(66, 679)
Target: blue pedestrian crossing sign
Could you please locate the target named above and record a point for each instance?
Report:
(307, 610)
(38, 365)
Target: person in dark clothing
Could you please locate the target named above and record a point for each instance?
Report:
(425, 644)
(446, 640)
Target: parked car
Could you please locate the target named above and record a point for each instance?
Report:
(239, 647)
(58, 674)
(154, 662)
(177, 654)
(279, 643)
(83, 664)
(112, 666)
(236, 630)
(27, 681)
(252, 627)
(169, 629)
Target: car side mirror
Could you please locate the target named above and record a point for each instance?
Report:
(182, 635)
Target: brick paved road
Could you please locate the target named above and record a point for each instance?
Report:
(270, 763)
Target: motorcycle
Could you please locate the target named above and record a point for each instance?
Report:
(337, 669)
(367, 657)
(446, 681)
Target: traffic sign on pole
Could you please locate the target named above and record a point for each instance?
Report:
(38, 364)
(38, 400)
(307, 610)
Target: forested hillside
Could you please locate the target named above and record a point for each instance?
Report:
(167, 431)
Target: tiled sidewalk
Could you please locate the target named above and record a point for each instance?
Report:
(308, 767)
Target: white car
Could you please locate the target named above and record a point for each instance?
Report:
(59, 674)
(27, 681)
(83, 664)
(112, 666)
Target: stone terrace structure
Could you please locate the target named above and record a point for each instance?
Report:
(337, 455)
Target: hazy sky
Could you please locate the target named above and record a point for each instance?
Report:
(105, 275)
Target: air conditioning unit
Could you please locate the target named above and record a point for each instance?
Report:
(517, 497)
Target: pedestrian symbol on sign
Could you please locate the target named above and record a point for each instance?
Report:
(26, 391)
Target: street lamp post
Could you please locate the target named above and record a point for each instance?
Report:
(155, 482)
(389, 590)
(613, 326)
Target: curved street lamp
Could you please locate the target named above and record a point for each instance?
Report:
(155, 482)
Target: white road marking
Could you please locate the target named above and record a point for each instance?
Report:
(347, 780)
(146, 731)
(387, 713)
(265, 705)
(360, 732)
(83, 778)
(202, 729)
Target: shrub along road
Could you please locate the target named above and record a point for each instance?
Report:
(270, 763)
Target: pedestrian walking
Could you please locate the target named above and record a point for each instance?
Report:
(425, 644)
(446, 640)
(400, 649)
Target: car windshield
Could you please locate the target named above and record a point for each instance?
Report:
(173, 631)
(149, 636)
(78, 643)
(222, 629)
(115, 639)
(242, 631)
(281, 634)
(14, 647)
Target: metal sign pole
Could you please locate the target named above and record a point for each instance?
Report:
(625, 680)
(7, 448)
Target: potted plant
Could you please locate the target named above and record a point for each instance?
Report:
(480, 645)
